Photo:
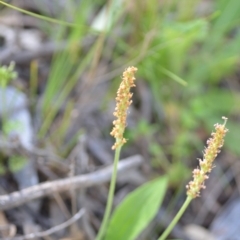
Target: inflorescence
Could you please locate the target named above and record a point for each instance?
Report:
(214, 145)
(123, 100)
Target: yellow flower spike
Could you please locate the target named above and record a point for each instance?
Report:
(123, 100)
(214, 145)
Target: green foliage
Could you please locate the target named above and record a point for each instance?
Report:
(137, 210)
(65, 69)
(170, 45)
(141, 129)
(205, 106)
(16, 163)
(7, 74)
(178, 173)
(11, 125)
(202, 52)
(232, 138)
(158, 156)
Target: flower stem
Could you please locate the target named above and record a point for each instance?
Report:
(176, 219)
(110, 196)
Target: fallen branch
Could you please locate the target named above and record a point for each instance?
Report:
(78, 182)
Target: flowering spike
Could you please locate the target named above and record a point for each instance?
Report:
(123, 100)
(214, 145)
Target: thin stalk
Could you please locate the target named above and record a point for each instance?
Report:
(33, 79)
(176, 219)
(110, 196)
(52, 20)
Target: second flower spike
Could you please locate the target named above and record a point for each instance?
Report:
(214, 145)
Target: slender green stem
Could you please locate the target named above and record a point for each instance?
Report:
(176, 219)
(52, 20)
(110, 196)
(40, 16)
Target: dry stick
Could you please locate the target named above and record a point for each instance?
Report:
(83, 181)
(52, 230)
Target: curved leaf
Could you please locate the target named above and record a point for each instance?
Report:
(136, 211)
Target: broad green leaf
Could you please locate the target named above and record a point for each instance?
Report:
(136, 211)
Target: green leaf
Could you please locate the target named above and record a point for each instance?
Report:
(136, 211)
(173, 76)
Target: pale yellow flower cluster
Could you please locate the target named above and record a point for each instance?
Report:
(210, 153)
(123, 100)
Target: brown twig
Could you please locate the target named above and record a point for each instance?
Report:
(83, 181)
(52, 230)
